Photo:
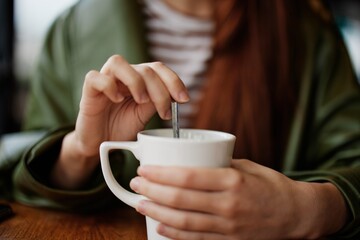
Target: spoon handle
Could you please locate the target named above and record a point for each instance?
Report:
(175, 119)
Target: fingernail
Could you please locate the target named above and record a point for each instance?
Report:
(141, 208)
(184, 96)
(134, 184)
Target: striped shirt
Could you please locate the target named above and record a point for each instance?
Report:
(184, 44)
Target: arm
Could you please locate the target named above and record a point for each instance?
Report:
(71, 152)
(325, 141)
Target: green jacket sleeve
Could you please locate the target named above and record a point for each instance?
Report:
(81, 39)
(325, 139)
(32, 187)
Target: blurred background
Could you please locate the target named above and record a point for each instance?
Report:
(23, 24)
(347, 16)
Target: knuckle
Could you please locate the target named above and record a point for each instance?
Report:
(175, 198)
(94, 80)
(158, 64)
(116, 59)
(112, 62)
(146, 70)
(184, 222)
(92, 74)
(188, 178)
(235, 180)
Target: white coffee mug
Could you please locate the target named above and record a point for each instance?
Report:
(194, 148)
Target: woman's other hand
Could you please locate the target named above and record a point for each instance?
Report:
(118, 101)
(116, 104)
(247, 201)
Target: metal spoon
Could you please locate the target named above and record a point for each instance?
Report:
(175, 119)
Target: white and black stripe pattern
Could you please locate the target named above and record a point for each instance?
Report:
(182, 42)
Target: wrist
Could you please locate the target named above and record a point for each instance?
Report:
(75, 154)
(322, 209)
(74, 166)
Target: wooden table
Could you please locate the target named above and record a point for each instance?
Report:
(35, 223)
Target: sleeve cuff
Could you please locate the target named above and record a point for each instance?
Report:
(348, 182)
(31, 185)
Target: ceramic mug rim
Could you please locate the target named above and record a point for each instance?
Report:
(165, 134)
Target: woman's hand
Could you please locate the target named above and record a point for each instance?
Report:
(247, 201)
(116, 103)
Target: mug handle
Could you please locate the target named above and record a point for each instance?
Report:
(131, 199)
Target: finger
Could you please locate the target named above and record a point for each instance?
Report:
(119, 68)
(174, 233)
(180, 198)
(184, 220)
(172, 81)
(96, 83)
(156, 89)
(208, 179)
(251, 167)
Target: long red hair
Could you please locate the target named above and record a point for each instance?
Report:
(250, 91)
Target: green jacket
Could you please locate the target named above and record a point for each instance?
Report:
(324, 143)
